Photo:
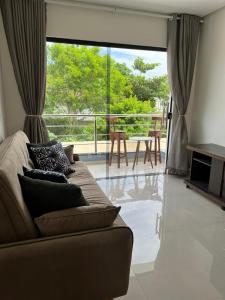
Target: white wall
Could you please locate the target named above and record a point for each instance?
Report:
(208, 113)
(83, 24)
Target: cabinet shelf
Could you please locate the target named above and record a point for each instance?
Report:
(201, 185)
(205, 161)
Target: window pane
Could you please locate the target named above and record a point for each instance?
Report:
(76, 88)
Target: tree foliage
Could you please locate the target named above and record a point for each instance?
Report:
(77, 83)
(76, 79)
(143, 67)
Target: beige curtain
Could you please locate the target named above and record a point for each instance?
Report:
(25, 27)
(183, 35)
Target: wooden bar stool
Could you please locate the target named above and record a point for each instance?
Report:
(156, 134)
(148, 146)
(118, 136)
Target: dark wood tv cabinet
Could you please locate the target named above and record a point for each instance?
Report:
(207, 171)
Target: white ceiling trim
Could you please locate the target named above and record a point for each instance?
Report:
(115, 10)
(112, 9)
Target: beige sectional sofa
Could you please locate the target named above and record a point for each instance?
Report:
(88, 265)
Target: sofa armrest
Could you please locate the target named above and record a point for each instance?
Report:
(85, 266)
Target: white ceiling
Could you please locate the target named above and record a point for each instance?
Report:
(198, 7)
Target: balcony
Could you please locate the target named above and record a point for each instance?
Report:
(90, 135)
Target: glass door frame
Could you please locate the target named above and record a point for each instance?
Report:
(109, 45)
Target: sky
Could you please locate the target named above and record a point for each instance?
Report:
(128, 56)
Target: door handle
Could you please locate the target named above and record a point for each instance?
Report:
(169, 116)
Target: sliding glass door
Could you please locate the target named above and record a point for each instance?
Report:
(94, 90)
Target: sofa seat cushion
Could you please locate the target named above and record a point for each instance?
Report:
(91, 191)
(82, 175)
(94, 194)
(77, 219)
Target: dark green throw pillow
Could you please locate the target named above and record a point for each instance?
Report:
(43, 196)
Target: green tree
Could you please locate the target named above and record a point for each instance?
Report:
(143, 67)
(141, 88)
(132, 106)
(148, 88)
(160, 87)
(76, 79)
(119, 82)
(160, 91)
(123, 68)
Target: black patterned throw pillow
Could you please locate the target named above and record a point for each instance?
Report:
(50, 158)
(30, 145)
(45, 175)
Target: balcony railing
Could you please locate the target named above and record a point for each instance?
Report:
(90, 132)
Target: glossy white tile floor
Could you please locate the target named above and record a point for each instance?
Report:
(179, 239)
(101, 169)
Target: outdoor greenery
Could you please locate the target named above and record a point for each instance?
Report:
(79, 82)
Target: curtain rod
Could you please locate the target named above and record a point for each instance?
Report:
(114, 10)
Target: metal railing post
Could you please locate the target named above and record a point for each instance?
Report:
(95, 135)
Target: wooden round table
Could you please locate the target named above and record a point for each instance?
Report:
(148, 145)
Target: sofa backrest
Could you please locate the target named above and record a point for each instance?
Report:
(15, 221)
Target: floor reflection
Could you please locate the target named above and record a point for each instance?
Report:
(140, 198)
(102, 170)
